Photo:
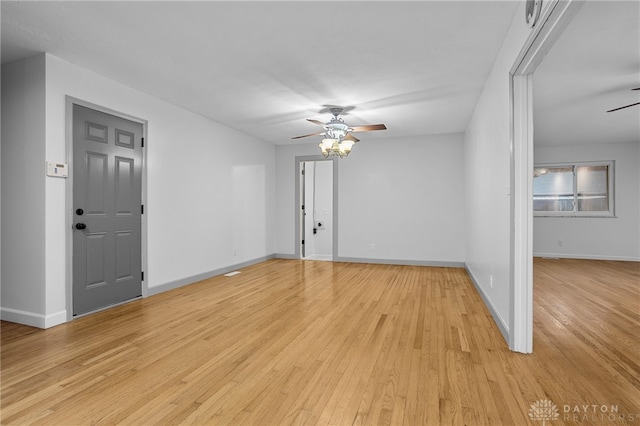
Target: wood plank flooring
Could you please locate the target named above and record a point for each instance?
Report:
(321, 343)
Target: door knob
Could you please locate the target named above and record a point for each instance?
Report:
(80, 226)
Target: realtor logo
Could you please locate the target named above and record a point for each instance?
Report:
(543, 410)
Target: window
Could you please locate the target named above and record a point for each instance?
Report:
(578, 189)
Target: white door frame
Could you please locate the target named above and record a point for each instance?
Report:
(69, 102)
(554, 19)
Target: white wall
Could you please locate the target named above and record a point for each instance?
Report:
(23, 189)
(615, 238)
(487, 164)
(210, 188)
(409, 202)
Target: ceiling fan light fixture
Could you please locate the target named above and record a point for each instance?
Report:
(347, 144)
(337, 147)
(342, 151)
(335, 134)
(326, 146)
(337, 129)
(345, 148)
(337, 138)
(327, 143)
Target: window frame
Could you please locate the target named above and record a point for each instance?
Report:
(575, 213)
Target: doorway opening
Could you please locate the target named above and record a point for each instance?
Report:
(317, 210)
(316, 206)
(553, 20)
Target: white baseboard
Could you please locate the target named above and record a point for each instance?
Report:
(55, 319)
(497, 318)
(286, 256)
(325, 257)
(401, 262)
(587, 257)
(32, 319)
(195, 278)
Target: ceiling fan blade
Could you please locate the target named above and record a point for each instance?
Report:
(369, 128)
(310, 134)
(626, 106)
(350, 137)
(637, 88)
(320, 123)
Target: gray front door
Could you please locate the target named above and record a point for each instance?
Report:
(107, 193)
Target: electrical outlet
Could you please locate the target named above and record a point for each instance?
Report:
(559, 243)
(373, 247)
(491, 281)
(235, 252)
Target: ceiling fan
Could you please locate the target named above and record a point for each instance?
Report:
(338, 139)
(626, 106)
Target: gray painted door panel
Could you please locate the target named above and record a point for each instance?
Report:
(107, 186)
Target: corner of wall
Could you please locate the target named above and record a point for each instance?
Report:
(503, 326)
(23, 191)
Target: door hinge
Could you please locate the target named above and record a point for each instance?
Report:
(303, 207)
(142, 275)
(142, 209)
(142, 145)
(302, 241)
(302, 171)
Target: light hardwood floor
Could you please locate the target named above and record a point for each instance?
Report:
(310, 342)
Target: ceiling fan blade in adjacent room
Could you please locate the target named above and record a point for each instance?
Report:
(626, 106)
(320, 123)
(369, 128)
(310, 134)
(350, 137)
(637, 88)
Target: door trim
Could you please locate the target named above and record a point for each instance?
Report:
(69, 102)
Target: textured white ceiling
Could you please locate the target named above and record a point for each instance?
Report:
(591, 69)
(263, 67)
